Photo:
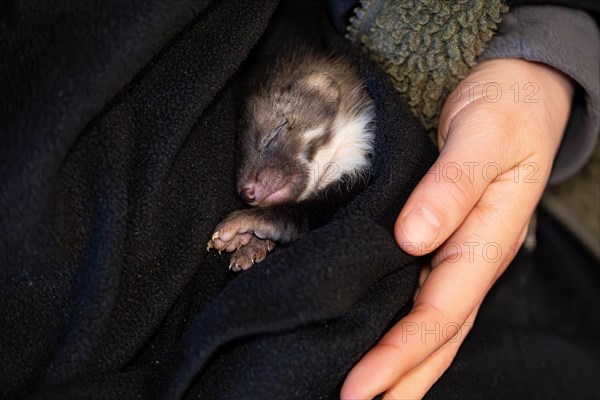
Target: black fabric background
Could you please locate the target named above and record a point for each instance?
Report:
(118, 159)
(118, 126)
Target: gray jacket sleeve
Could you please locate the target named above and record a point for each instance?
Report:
(568, 40)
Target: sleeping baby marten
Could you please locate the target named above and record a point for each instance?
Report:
(305, 149)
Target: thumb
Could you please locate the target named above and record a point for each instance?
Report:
(453, 185)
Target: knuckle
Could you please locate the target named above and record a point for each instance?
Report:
(393, 346)
(440, 314)
(463, 192)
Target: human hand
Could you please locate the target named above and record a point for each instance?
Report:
(498, 134)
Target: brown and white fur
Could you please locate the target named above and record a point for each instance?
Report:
(305, 148)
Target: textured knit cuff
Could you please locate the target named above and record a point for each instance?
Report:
(566, 39)
(425, 46)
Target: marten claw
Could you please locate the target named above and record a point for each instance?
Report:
(253, 252)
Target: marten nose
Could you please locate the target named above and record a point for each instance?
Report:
(247, 194)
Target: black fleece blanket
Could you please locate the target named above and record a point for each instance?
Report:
(117, 149)
(118, 126)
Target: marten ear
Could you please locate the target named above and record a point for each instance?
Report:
(322, 84)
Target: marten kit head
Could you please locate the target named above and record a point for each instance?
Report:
(300, 130)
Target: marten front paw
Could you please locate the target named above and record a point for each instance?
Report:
(255, 251)
(250, 233)
(237, 241)
(238, 228)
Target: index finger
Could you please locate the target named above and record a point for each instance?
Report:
(416, 336)
(448, 296)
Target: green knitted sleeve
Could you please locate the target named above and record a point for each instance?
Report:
(425, 46)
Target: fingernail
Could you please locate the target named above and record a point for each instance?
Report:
(421, 226)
